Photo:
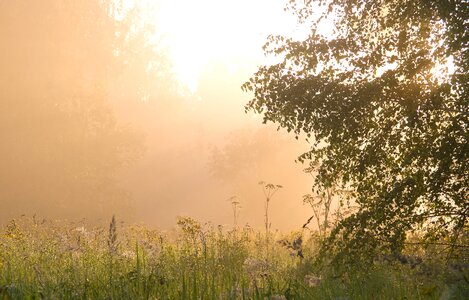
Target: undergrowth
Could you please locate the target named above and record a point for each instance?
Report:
(59, 260)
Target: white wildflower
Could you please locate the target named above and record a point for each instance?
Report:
(255, 267)
(276, 297)
(128, 254)
(81, 230)
(312, 280)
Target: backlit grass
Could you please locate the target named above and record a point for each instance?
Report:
(59, 260)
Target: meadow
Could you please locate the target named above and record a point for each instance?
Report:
(44, 259)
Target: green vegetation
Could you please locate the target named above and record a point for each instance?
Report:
(384, 102)
(57, 260)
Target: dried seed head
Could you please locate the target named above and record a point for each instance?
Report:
(112, 238)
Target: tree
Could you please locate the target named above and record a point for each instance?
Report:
(62, 147)
(385, 99)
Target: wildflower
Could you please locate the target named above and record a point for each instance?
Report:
(255, 267)
(76, 254)
(235, 292)
(312, 280)
(81, 230)
(128, 254)
(276, 297)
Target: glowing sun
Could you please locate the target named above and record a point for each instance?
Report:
(203, 32)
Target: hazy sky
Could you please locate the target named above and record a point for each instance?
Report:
(214, 47)
(148, 112)
(231, 33)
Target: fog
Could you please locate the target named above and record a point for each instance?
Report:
(98, 116)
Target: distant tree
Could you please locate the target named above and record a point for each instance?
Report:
(385, 99)
(246, 155)
(61, 146)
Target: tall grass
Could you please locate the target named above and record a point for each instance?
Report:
(57, 260)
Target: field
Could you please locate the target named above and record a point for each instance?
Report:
(41, 259)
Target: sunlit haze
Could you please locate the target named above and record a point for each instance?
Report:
(208, 32)
(234, 149)
(142, 115)
(135, 109)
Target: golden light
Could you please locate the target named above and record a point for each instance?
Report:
(204, 32)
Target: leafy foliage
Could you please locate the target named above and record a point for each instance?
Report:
(385, 98)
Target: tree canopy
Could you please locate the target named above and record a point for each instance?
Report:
(62, 146)
(385, 102)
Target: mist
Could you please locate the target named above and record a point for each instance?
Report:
(96, 121)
